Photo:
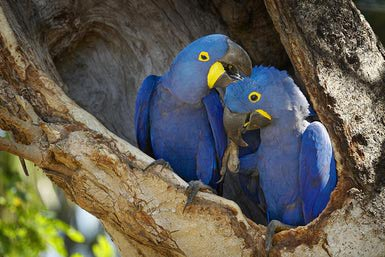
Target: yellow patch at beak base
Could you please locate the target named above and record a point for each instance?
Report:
(216, 70)
(264, 114)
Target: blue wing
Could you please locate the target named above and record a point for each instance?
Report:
(214, 111)
(317, 172)
(207, 163)
(142, 113)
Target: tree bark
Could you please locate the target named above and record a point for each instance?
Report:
(60, 59)
(340, 62)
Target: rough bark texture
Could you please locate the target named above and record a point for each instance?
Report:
(341, 64)
(96, 53)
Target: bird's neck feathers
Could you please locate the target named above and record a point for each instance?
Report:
(289, 116)
(289, 125)
(185, 87)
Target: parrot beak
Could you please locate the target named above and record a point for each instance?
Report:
(232, 66)
(233, 123)
(257, 119)
(238, 123)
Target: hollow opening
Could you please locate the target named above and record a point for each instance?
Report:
(102, 80)
(103, 70)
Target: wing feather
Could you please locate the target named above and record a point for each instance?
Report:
(142, 113)
(317, 171)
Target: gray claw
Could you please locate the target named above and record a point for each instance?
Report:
(274, 227)
(155, 163)
(194, 186)
(221, 179)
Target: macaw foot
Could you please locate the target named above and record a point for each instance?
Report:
(160, 162)
(194, 186)
(274, 227)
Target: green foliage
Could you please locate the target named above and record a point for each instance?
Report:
(76, 255)
(103, 248)
(26, 227)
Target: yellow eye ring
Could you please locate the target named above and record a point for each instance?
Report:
(254, 97)
(204, 56)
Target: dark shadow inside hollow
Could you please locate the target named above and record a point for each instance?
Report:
(232, 190)
(100, 78)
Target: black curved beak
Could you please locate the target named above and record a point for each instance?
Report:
(234, 65)
(238, 123)
(233, 123)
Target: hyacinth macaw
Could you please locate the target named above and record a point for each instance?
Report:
(294, 161)
(242, 187)
(179, 116)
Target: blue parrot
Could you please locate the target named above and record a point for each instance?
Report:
(294, 161)
(179, 116)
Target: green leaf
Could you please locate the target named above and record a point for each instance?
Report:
(76, 255)
(58, 244)
(75, 235)
(102, 248)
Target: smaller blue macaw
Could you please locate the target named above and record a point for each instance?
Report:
(294, 161)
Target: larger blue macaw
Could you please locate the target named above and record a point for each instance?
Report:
(294, 161)
(178, 116)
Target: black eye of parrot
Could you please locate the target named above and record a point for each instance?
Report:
(204, 56)
(254, 97)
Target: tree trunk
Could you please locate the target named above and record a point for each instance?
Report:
(96, 53)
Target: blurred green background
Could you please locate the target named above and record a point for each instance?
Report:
(37, 220)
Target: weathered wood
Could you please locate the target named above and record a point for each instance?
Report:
(97, 52)
(341, 64)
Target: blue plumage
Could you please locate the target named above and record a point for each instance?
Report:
(182, 135)
(142, 113)
(317, 170)
(179, 117)
(214, 109)
(295, 160)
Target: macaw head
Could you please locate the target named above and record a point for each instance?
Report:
(211, 61)
(256, 102)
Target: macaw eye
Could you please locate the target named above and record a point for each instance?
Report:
(204, 57)
(254, 97)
